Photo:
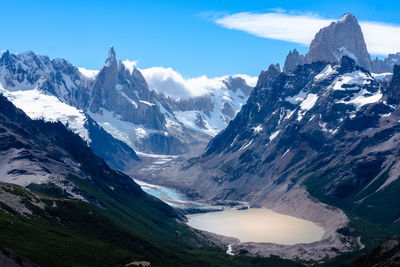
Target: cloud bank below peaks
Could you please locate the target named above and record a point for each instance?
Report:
(173, 84)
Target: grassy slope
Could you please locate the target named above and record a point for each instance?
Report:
(74, 233)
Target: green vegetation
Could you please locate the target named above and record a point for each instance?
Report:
(373, 219)
(108, 233)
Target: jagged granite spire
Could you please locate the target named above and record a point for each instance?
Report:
(112, 58)
(293, 59)
(394, 87)
(343, 37)
(273, 71)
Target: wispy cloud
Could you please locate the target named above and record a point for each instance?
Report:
(381, 38)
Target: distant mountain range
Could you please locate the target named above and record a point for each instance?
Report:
(119, 100)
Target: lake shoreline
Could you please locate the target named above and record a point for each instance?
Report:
(296, 203)
(258, 225)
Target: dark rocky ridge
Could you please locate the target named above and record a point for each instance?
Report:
(386, 254)
(46, 149)
(394, 88)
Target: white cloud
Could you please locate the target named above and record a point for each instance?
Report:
(381, 38)
(173, 84)
(88, 73)
(130, 64)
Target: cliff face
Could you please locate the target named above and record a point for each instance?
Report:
(343, 37)
(293, 59)
(387, 64)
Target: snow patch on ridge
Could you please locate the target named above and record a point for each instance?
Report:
(38, 105)
(382, 77)
(362, 98)
(296, 98)
(355, 78)
(325, 73)
(273, 135)
(258, 129)
(124, 131)
(306, 105)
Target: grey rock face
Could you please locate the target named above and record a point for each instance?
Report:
(228, 110)
(115, 152)
(265, 76)
(343, 37)
(293, 59)
(386, 65)
(28, 71)
(393, 92)
(236, 83)
(203, 103)
(116, 90)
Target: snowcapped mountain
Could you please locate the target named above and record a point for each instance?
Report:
(210, 112)
(118, 99)
(48, 89)
(152, 122)
(323, 131)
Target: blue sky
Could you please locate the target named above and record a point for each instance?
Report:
(183, 35)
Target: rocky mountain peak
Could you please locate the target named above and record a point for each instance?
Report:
(347, 64)
(4, 53)
(112, 58)
(394, 88)
(234, 83)
(273, 71)
(387, 64)
(5, 57)
(293, 59)
(348, 18)
(340, 38)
